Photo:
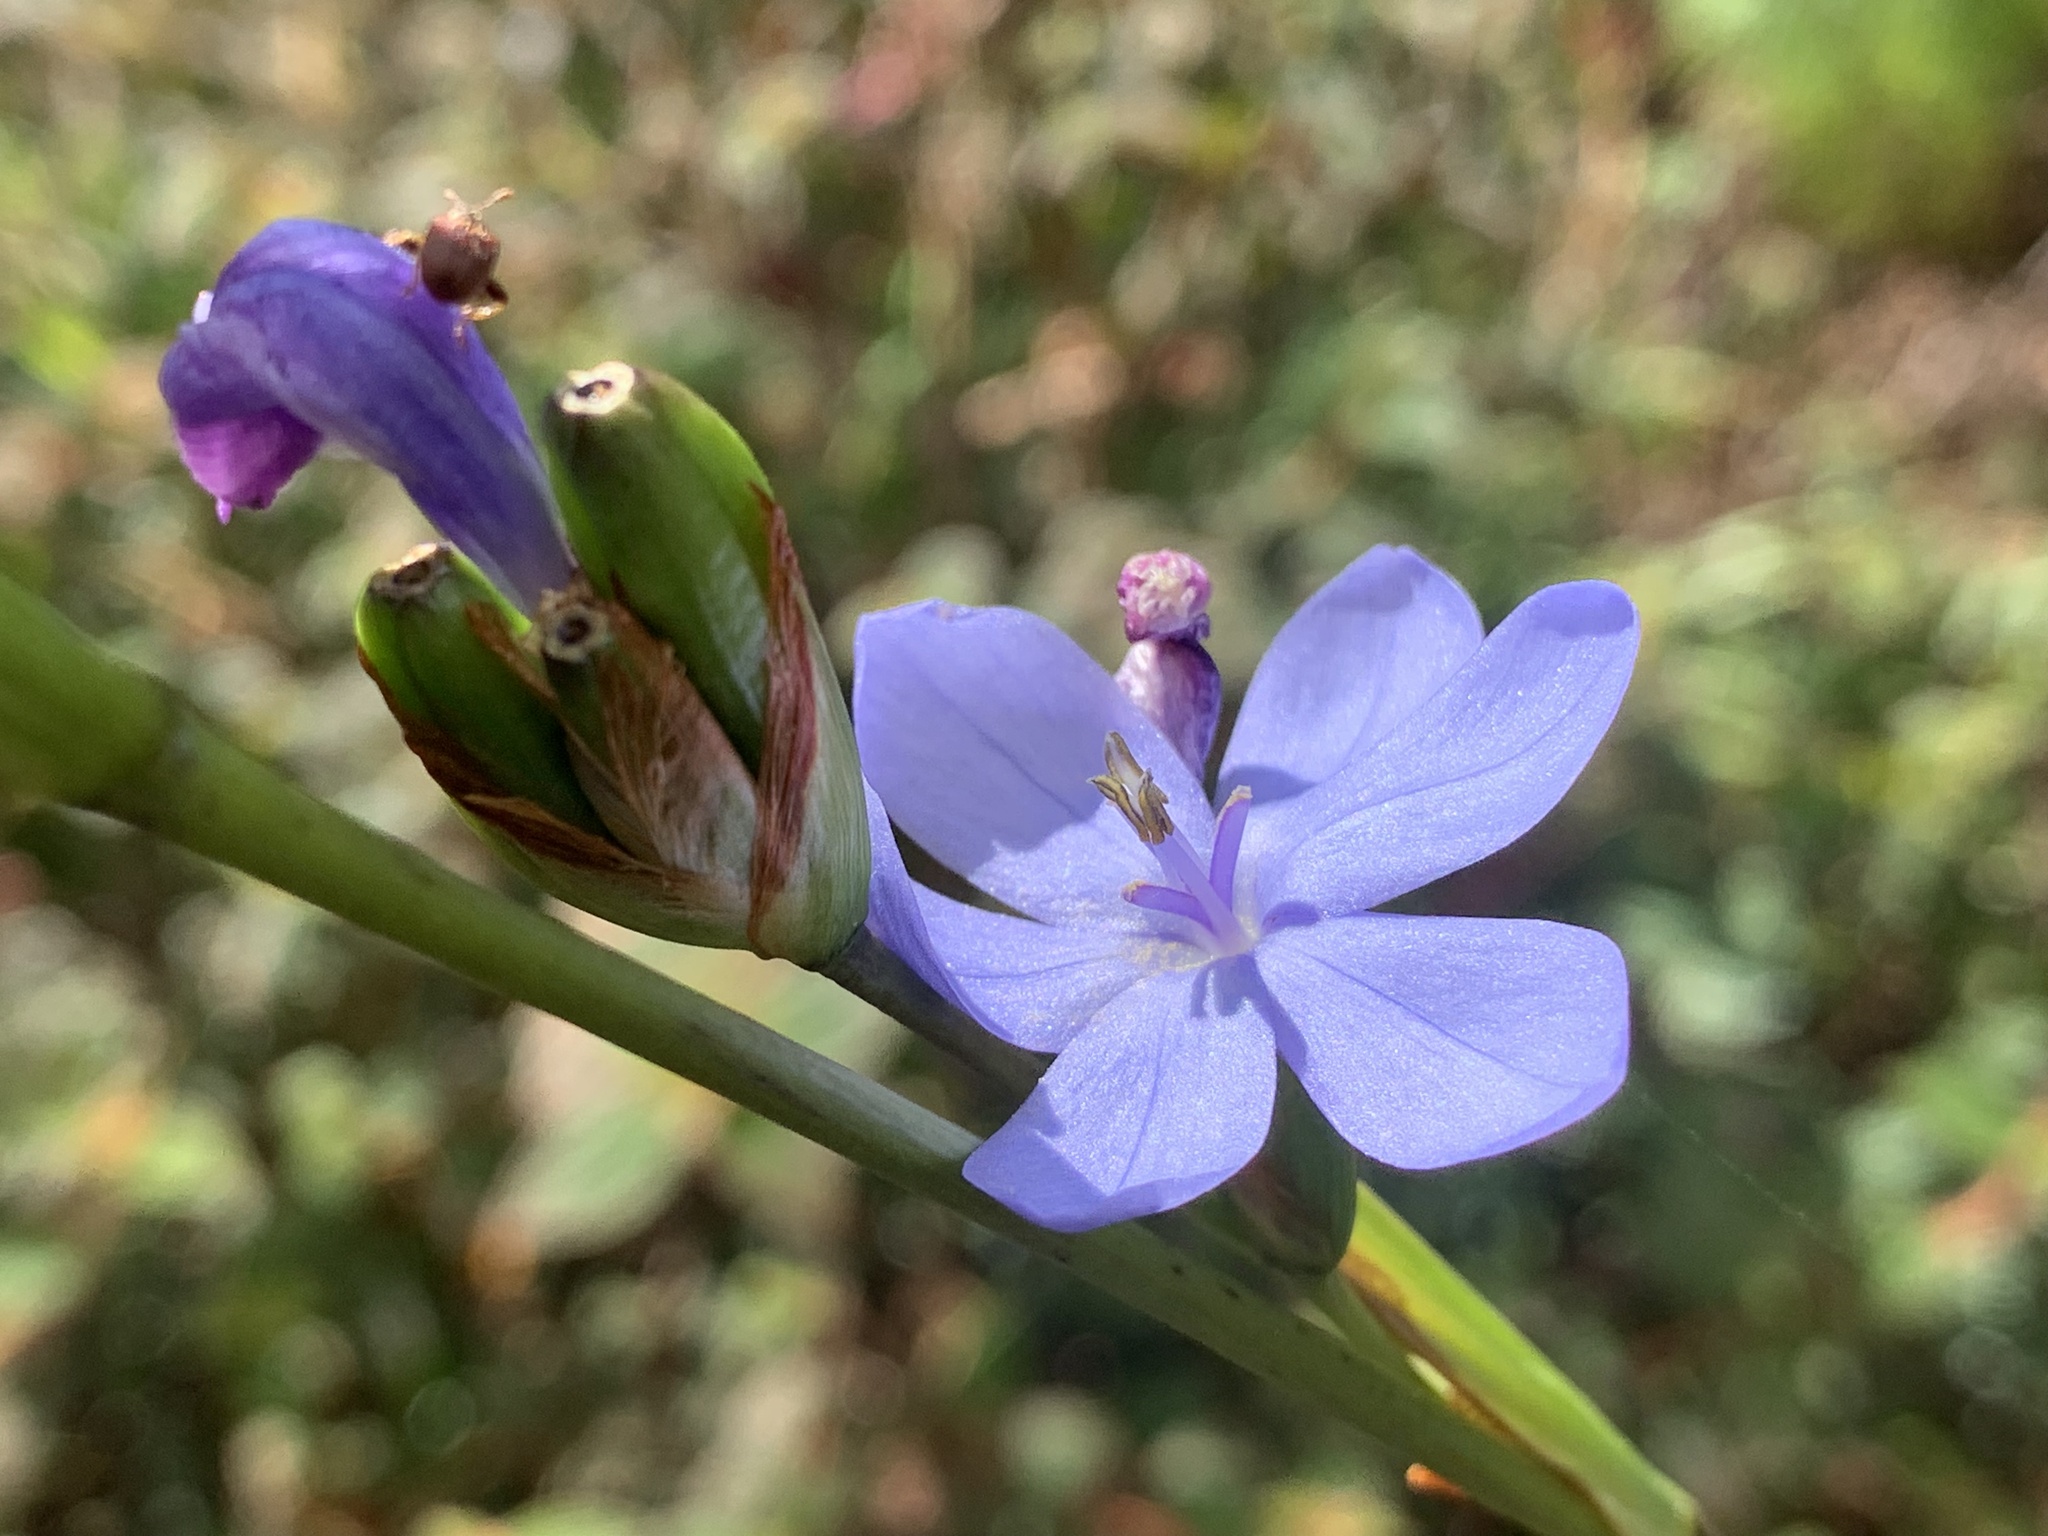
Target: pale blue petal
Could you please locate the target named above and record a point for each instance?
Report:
(1029, 983)
(980, 729)
(1358, 657)
(1428, 1041)
(1165, 1094)
(1478, 764)
(895, 915)
(1033, 984)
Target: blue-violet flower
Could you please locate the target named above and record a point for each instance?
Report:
(318, 331)
(1167, 946)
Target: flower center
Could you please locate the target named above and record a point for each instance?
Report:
(1201, 896)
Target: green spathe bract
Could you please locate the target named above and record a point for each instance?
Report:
(666, 509)
(421, 628)
(678, 530)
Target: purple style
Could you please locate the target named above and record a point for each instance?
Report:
(318, 331)
(1170, 949)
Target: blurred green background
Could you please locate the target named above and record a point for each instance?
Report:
(1731, 301)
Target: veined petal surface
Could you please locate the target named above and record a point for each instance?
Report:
(980, 728)
(1356, 660)
(1476, 765)
(1161, 1097)
(1428, 1041)
(1033, 984)
(894, 914)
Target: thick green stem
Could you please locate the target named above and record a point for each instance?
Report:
(76, 723)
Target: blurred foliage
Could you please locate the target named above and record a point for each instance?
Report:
(1729, 300)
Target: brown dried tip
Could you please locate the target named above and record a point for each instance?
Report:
(413, 575)
(596, 391)
(572, 631)
(1421, 1480)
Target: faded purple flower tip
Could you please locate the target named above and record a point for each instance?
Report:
(1165, 596)
(1172, 947)
(318, 331)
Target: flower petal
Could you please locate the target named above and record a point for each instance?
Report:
(1479, 763)
(1381, 636)
(362, 264)
(323, 327)
(246, 460)
(894, 913)
(1166, 1093)
(1428, 1041)
(980, 728)
(1029, 983)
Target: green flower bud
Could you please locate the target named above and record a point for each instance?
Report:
(692, 573)
(592, 768)
(443, 645)
(667, 745)
(667, 511)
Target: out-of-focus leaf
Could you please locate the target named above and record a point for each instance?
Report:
(1483, 1366)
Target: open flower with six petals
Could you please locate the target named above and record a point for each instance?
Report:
(1172, 948)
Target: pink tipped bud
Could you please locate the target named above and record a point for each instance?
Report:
(1167, 674)
(1165, 596)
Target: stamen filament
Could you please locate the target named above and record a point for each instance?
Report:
(1200, 896)
(1186, 871)
(1229, 838)
(1161, 898)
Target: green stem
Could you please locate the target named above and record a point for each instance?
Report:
(1353, 1319)
(76, 723)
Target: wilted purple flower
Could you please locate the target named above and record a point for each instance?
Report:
(1165, 950)
(318, 331)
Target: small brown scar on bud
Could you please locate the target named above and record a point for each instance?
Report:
(596, 391)
(1131, 789)
(413, 575)
(572, 631)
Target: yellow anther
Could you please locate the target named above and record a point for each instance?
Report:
(1129, 788)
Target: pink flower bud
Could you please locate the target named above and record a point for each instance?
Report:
(1165, 596)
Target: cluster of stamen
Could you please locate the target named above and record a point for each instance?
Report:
(1201, 896)
(1132, 790)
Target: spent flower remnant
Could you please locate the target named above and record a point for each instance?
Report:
(1169, 947)
(316, 331)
